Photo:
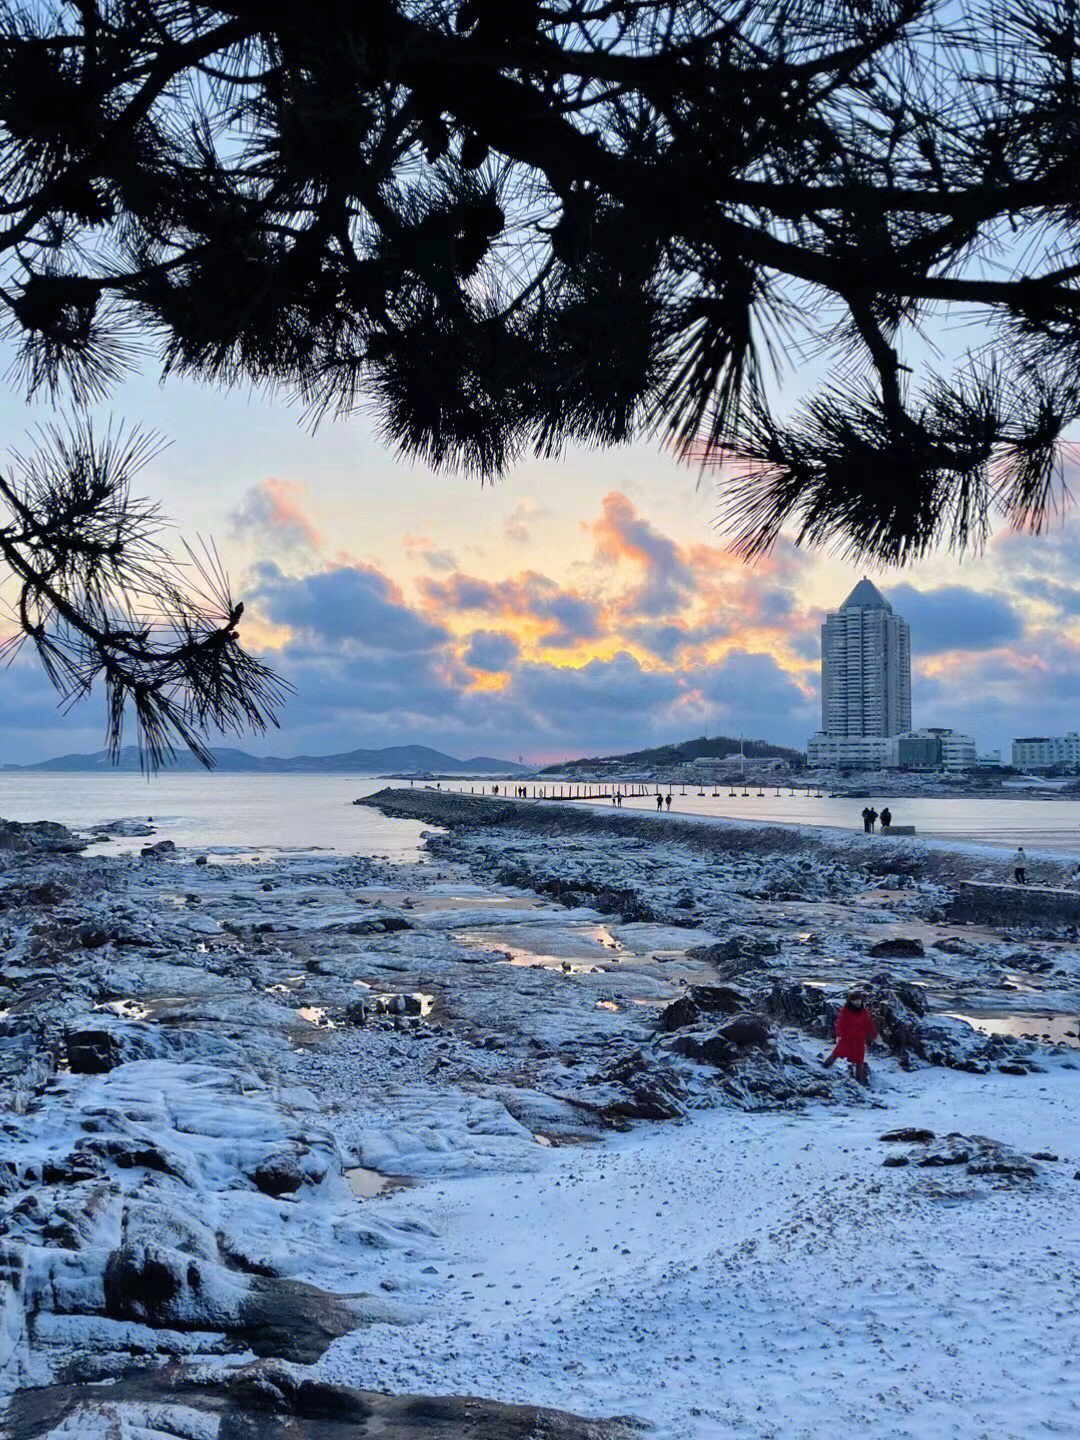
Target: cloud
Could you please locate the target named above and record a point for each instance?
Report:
(756, 697)
(465, 592)
(1065, 599)
(271, 515)
(618, 689)
(425, 549)
(622, 535)
(355, 604)
(1002, 694)
(518, 525)
(38, 724)
(559, 617)
(574, 617)
(956, 617)
(491, 650)
(667, 640)
(645, 642)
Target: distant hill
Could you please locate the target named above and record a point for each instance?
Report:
(718, 747)
(395, 759)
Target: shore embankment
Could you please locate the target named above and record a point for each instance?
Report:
(948, 862)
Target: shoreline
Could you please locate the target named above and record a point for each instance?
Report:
(950, 859)
(578, 1033)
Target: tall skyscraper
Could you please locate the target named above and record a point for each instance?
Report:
(865, 667)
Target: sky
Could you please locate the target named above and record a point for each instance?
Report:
(581, 606)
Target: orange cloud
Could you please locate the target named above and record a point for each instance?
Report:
(271, 510)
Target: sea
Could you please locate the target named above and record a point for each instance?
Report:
(227, 816)
(234, 816)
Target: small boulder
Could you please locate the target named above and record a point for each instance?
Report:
(979, 1155)
(127, 1153)
(899, 948)
(91, 1052)
(140, 1282)
(68, 1171)
(712, 1049)
(748, 1029)
(278, 1175)
(92, 937)
(656, 1097)
(718, 999)
(679, 1013)
(795, 1003)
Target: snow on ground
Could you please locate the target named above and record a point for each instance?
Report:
(761, 1275)
(191, 1054)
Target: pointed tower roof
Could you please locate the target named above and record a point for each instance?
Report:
(866, 596)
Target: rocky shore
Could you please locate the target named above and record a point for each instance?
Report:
(213, 1075)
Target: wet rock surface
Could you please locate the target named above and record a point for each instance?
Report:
(268, 1401)
(192, 1055)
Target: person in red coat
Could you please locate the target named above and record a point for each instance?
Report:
(855, 1029)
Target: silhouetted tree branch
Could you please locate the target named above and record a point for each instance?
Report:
(102, 601)
(515, 223)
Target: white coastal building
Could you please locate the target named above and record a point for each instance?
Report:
(1045, 752)
(936, 748)
(851, 752)
(930, 749)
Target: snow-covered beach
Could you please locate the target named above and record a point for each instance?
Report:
(591, 1047)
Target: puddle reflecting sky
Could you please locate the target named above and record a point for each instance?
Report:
(1059, 1029)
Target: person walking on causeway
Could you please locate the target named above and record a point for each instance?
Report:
(855, 1029)
(1020, 866)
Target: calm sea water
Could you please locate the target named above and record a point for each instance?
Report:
(223, 813)
(244, 813)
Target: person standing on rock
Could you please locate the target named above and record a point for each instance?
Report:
(855, 1029)
(866, 813)
(1020, 866)
(886, 817)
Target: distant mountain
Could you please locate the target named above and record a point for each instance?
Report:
(396, 759)
(718, 747)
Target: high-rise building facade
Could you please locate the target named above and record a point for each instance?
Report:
(865, 667)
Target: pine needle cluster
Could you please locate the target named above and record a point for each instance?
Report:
(512, 224)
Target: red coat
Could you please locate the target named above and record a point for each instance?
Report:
(854, 1030)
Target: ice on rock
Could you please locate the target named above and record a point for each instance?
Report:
(187, 1201)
